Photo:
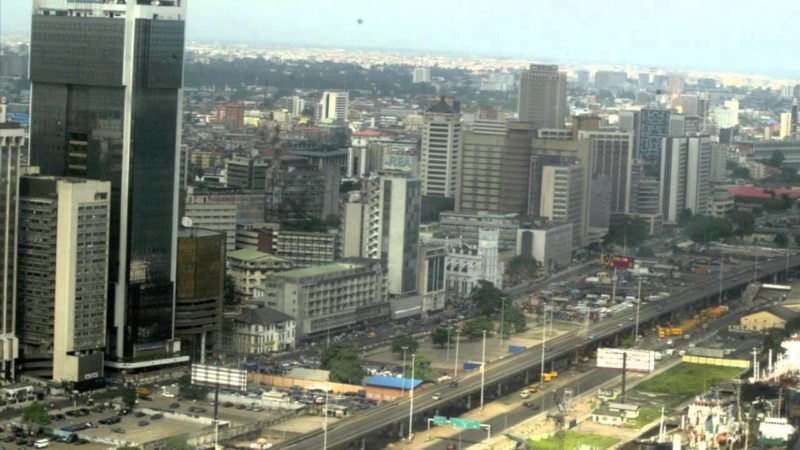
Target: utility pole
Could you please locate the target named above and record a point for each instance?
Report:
(638, 304)
(447, 358)
(721, 269)
(325, 423)
(455, 363)
(503, 321)
(411, 390)
(483, 366)
(614, 286)
(544, 339)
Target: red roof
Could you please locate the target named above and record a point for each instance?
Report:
(761, 192)
(367, 133)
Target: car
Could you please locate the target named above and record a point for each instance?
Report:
(157, 416)
(619, 325)
(174, 405)
(10, 438)
(241, 406)
(630, 319)
(454, 383)
(167, 394)
(143, 423)
(118, 430)
(533, 406)
(227, 404)
(436, 396)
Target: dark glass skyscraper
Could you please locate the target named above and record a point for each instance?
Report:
(106, 105)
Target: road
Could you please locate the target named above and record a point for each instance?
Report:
(376, 419)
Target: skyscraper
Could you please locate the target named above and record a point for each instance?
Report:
(543, 96)
(12, 138)
(106, 105)
(612, 156)
(651, 128)
(563, 196)
(333, 107)
(62, 276)
(672, 198)
(698, 174)
(421, 75)
(441, 139)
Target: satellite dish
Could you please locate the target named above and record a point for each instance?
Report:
(186, 222)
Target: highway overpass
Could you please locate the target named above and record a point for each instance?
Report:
(347, 433)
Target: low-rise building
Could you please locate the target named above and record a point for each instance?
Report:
(249, 269)
(260, 330)
(467, 264)
(330, 297)
(549, 243)
(770, 318)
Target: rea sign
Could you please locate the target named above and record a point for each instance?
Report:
(402, 163)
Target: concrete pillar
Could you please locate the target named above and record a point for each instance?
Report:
(469, 402)
(401, 429)
(499, 389)
(202, 347)
(363, 443)
(527, 380)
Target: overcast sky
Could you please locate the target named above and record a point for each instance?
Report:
(728, 35)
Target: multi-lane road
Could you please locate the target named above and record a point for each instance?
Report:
(350, 430)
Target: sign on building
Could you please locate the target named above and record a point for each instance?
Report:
(399, 162)
(637, 360)
(206, 375)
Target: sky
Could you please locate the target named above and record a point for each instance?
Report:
(718, 35)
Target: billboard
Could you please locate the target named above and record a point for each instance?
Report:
(622, 262)
(206, 375)
(399, 162)
(637, 360)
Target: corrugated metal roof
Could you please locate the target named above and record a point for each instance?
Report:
(392, 382)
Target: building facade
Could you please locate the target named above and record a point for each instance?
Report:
(466, 264)
(12, 139)
(333, 106)
(262, 330)
(550, 244)
(542, 100)
(249, 269)
(439, 151)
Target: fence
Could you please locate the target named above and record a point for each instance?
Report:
(723, 362)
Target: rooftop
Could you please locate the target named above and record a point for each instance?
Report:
(392, 382)
(247, 254)
(318, 270)
(263, 315)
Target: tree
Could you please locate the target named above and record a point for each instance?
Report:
(488, 299)
(708, 229)
(129, 397)
(422, 369)
(741, 172)
(475, 327)
(626, 230)
(776, 159)
(684, 217)
(349, 185)
(781, 240)
(343, 360)
(521, 268)
(646, 252)
(516, 318)
(229, 291)
(35, 414)
(191, 391)
(403, 340)
(744, 223)
(440, 336)
(177, 443)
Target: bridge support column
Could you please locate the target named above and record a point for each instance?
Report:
(469, 402)
(401, 429)
(527, 377)
(499, 389)
(363, 443)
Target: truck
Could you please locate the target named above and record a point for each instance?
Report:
(549, 376)
(142, 391)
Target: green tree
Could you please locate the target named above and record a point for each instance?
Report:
(626, 230)
(516, 318)
(646, 252)
(129, 397)
(403, 340)
(776, 159)
(440, 336)
(177, 443)
(708, 229)
(191, 391)
(520, 268)
(35, 414)
(488, 299)
(475, 327)
(743, 222)
(741, 172)
(781, 240)
(343, 360)
(684, 217)
(422, 369)
(229, 291)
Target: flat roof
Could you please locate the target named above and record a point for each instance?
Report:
(317, 270)
(392, 382)
(247, 254)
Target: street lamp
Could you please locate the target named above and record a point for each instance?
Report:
(455, 363)
(483, 366)
(411, 393)
(502, 321)
(325, 423)
(544, 336)
(638, 304)
(403, 375)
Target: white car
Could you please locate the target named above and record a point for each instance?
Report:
(436, 396)
(167, 394)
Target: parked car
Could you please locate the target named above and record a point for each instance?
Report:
(143, 423)
(118, 430)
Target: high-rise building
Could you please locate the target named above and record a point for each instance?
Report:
(583, 78)
(296, 105)
(441, 142)
(563, 195)
(62, 276)
(674, 156)
(214, 216)
(694, 105)
(719, 160)
(542, 97)
(605, 79)
(651, 128)
(333, 107)
(683, 125)
(231, 115)
(246, 173)
(199, 293)
(106, 82)
(698, 174)
(786, 125)
(421, 75)
(727, 116)
(12, 139)
(644, 80)
(612, 156)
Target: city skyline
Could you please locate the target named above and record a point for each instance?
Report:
(627, 32)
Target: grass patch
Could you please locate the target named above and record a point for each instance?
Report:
(573, 440)
(685, 380)
(647, 414)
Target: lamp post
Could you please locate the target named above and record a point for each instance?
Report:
(455, 363)
(403, 375)
(638, 304)
(721, 269)
(447, 358)
(483, 366)
(544, 337)
(502, 321)
(325, 423)
(411, 391)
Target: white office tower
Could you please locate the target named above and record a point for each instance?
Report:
(698, 175)
(333, 107)
(295, 104)
(672, 195)
(441, 142)
(786, 125)
(562, 196)
(719, 159)
(422, 75)
(727, 116)
(12, 138)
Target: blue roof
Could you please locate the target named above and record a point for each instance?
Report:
(392, 382)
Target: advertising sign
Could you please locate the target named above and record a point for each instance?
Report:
(212, 376)
(637, 360)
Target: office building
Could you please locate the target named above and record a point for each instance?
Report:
(439, 150)
(295, 105)
(352, 225)
(695, 105)
(583, 78)
(643, 80)
(304, 248)
(563, 196)
(12, 140)
(494, 174)
(629, 122)
(672, 199)
(466, 225)
(259, 330)
(249, 268)
(683, 125)
(295, 192)
(727, 116)
(651, 128)
(645, 192)
(698, 174)
(431, 277)
(421, 75)
(246, 172)
(549, 243)
(333, 106)
(62, 276)
(199, 292)
(488, 126)
(719, 163)
(606, 79)
(468, 264)
(612, 157)
(95, 112)
(542, 100)
(210, 215)
(786, 125)
(231, 115)
(323, 299)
